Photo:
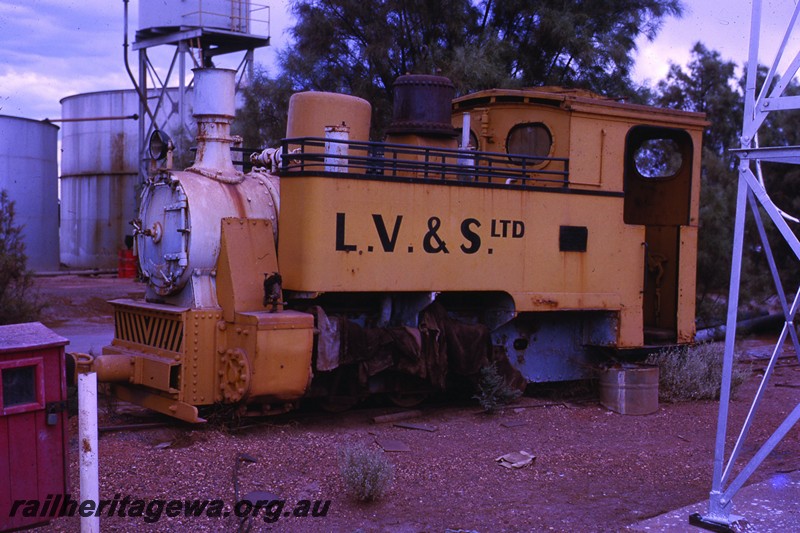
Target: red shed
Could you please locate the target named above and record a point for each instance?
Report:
(33, 425)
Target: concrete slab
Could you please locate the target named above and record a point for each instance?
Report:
(765, 507)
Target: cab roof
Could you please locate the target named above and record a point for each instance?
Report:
(576, 100)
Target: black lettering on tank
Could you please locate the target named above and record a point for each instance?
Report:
(469, 234)
(387, 242)
(427, 243)
(340, 239)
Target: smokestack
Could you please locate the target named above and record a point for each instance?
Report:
(214, 109)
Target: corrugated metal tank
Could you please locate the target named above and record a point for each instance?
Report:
(99, 169)
(29, 172)
(232, 15)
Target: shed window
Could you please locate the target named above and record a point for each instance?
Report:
(19, 386)
(22, 387)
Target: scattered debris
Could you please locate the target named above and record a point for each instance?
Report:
(518, 459)
(512, 423)
(396, 417)
(421, 427)
(133, 427)
(392, 445)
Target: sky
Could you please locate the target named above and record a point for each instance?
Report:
(50, 49)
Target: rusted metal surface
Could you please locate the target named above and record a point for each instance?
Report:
(422, 105)
(231, 15)
(99, 168)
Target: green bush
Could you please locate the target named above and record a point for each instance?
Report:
(493, 391)
(366, 472)
(694, 372)
(18, 303)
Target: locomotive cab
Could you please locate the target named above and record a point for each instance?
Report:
(651, 156)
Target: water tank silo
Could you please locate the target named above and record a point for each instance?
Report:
(99, 174)
(230, 15)
(29, 172)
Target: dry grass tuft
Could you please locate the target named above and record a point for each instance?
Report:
(366, 472)
(693, 372)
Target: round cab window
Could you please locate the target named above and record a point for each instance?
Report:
(532, 139)
(658, 158)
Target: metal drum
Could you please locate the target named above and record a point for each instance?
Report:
(311, 112)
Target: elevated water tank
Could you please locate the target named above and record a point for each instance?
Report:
(29, 172)
(99, 174)
(231, 15)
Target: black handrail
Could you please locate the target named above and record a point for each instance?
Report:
(320, 155)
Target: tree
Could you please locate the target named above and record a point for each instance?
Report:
(360, 48)
(710, 85)
(576, 43)
(261, 121)
(17, 303)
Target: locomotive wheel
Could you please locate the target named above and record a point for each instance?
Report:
(407, 399)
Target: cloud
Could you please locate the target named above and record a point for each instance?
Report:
(54, 48)
(721, 26)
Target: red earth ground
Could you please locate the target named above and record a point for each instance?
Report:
(595, 470)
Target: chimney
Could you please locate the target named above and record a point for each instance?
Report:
(214, 109)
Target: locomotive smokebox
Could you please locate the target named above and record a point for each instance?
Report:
(422, 106)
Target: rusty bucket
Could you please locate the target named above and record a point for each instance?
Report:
(630, 389)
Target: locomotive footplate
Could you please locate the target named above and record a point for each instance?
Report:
(146, 398)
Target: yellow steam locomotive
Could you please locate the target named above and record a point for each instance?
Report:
(537, 229)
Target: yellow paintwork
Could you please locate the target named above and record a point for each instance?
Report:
(234, 352)
(247, 252)
(338, 234)
(688, 284)
(280, 344)
(526, 265)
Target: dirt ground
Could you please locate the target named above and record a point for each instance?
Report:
(595, 470)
